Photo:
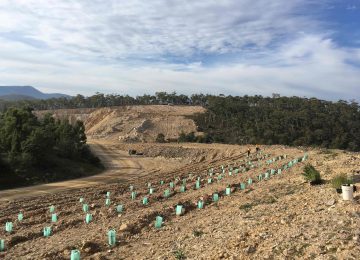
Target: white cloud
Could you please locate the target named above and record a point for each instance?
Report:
(146, 46)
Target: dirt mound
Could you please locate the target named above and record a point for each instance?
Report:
(132, 123)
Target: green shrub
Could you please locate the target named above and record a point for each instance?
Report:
(179, 254)
(160, 138)
(339, 180)
(311, 174)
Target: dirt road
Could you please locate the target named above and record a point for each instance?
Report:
(119, 165)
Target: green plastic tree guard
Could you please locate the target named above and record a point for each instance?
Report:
(158, 222)
(81, 200)
(2, 245)
(260, 177)
(107, 202)
(228, 191)
(54, 217)
(272, 172)
(47, 231)
(108, 194)
(131, 188)
(279, 171)
(230, 173)
(215, 197)
(8, 227)
(75, 255)
(171, 184)
(166, 193)
(267, 176)
(184, 181)
(145, 201)
(200, 204)
(250, 181)
(52, 209)
(242, 186)
(210, 180)
(149, 184)
(197, 185)
(182, 188)
(179, 210)
(119, 208)
(85, 208)
(133, 195)
(151, 190)
(161, 182)
(112, 237)
(88, 218)
(20, 217)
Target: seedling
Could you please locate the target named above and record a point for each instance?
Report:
(133, 195)
(158, 222)
(112, 237)
(81, 200)
(107, 202)
(88, 218)
(8, 227)
(52, 209)
(75, 255)
(108, 194)
(119, 208)
(210, 180)
(145, 201)
(184, 181)
(171, 184)
(47, 231)
(166, 193)
(54, 218)
(20, 217)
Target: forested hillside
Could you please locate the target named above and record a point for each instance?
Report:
(290, 121)
(241, 120)
(34, 151)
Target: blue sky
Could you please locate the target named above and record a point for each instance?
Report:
(236, 47)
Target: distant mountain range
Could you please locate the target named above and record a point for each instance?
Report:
(12, 93)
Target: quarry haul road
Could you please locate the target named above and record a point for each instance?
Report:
(119, 167)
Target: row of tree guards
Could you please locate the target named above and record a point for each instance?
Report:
(179, 209)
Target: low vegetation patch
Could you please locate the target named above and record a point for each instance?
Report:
(339, 180)
(312, 175)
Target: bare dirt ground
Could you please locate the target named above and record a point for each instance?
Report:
(281, 217)
(132, 123)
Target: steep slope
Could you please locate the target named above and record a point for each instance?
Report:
(132, 123)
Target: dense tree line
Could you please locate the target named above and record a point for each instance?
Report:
(241, 120)
(38, 150)
(284, 120)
